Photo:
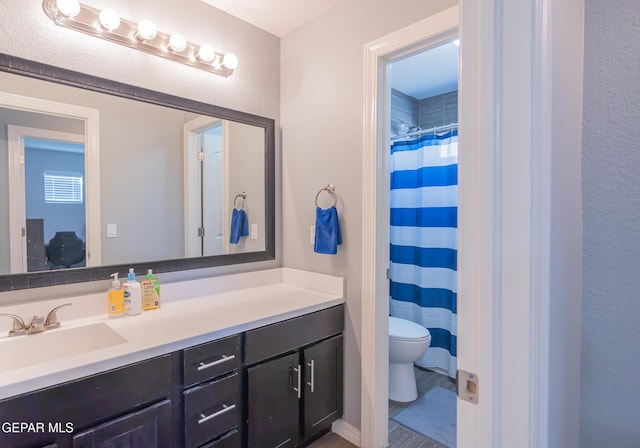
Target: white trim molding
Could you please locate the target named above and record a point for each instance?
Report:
(346, 431)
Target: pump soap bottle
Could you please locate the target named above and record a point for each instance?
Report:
(132, 295)
(116, 298)
(150, 292)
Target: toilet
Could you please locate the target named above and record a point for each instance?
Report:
(407, 342)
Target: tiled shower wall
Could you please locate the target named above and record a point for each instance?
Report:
(407, 111)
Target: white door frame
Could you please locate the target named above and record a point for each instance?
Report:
(91, 118)
(504, 215)
(17, 209)
(375, 287)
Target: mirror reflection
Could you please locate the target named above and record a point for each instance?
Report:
(97, 180)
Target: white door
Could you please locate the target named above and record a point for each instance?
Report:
(205, 207)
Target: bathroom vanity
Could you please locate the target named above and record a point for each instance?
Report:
(265, 371)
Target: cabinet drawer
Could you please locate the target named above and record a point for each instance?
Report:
(229, 440)
(207, 361)
(211, 409)
(281, 337)
(150, 427)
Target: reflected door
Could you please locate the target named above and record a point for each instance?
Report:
(204, 186)
(48, 201)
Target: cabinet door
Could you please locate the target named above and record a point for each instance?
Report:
(148, 428)
(323, 385)
(273, 412)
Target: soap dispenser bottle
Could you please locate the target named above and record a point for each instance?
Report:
(150, 292)
(116, 298)
(132, 295)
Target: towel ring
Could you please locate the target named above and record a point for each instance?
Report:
(331, 189)
(242, 196)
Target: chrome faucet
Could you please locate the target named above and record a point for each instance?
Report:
(38, 324)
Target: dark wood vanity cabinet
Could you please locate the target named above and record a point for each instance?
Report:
(288, 389)
(94, 410)
(294, 379)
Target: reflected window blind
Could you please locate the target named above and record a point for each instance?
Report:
(63, 188)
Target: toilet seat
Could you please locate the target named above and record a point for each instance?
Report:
(405, 330)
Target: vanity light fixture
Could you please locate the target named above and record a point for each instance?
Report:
(143, 35)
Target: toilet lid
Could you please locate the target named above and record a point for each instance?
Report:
(405, 329)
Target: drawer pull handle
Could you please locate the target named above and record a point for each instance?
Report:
(312, 366)
(298, 389)
(225, 408)
(224, 358)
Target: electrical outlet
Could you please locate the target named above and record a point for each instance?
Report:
(312, 234)
(254, 231)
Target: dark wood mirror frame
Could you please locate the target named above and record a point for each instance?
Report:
(25, 67)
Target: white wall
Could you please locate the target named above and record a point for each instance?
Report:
(322, 128)
(610, 382)
(26, 31)
(246, 173)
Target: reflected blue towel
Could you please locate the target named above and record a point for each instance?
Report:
(239, 225)
(327, 231)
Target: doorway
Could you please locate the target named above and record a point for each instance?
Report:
(34, 111)
(205, 181)
(423, 198)
(50, 184)
(379, 55)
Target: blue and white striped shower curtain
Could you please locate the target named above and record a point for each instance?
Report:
(424, 243)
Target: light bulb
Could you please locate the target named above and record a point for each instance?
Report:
(206, 53)
(109, 19)
(456, 42)
(69, 8)
(177, 43)
(146, 30)
(230, 61)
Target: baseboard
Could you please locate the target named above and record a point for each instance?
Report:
(346, 431)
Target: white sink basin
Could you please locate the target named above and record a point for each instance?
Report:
(24, 351)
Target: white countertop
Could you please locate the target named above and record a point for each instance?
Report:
(191, 313)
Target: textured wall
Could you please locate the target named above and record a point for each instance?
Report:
(610, 383)
(322, 122)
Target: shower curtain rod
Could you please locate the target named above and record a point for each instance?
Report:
(435, 129)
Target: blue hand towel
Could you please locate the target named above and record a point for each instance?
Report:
(328, 234)
(239, 225)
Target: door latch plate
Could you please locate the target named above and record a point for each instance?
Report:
(467, 386)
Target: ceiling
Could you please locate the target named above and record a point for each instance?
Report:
(420, 76)
(430, 73)
(278, 17)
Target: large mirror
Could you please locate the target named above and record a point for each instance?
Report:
(102, 176)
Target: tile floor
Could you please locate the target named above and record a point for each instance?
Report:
(399, 436)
